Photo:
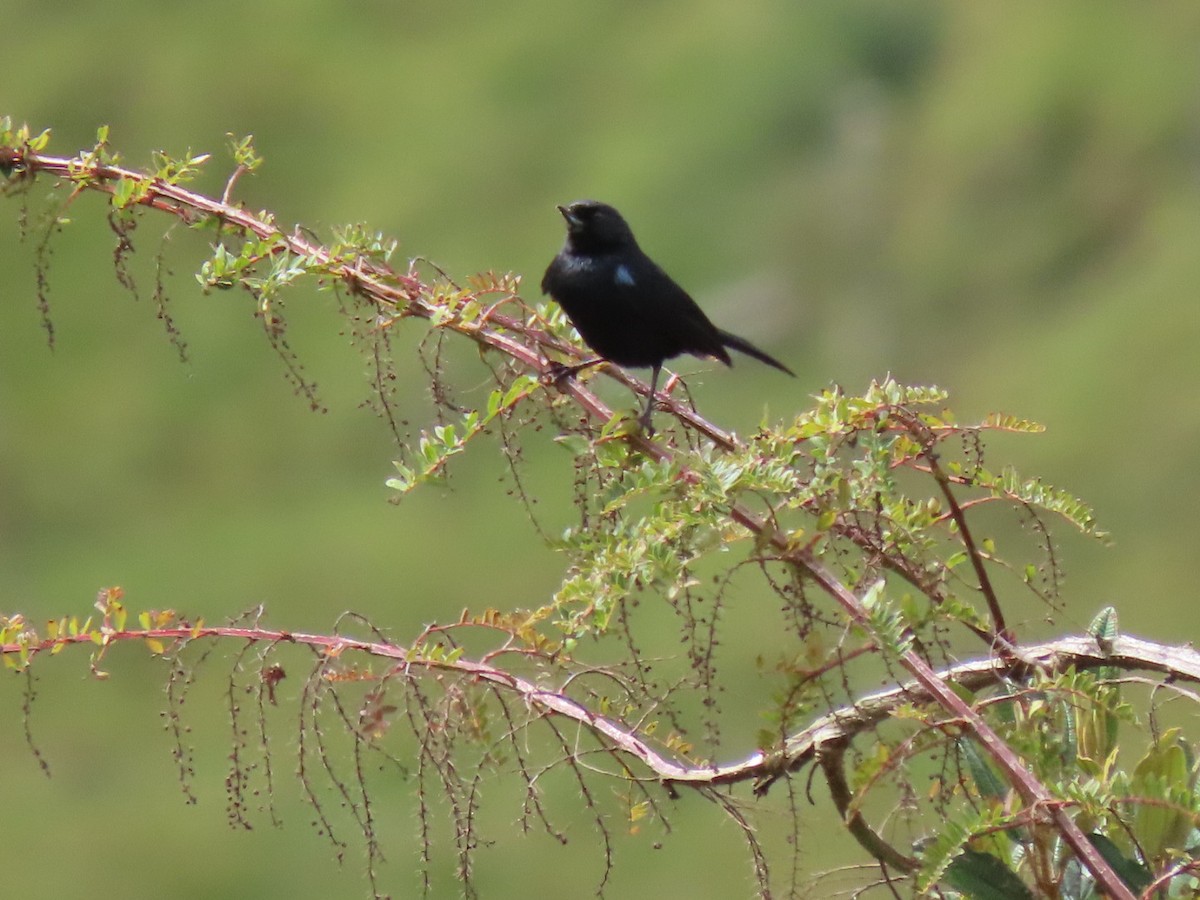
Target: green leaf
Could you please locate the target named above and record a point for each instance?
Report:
(1004, 422)
(576, 444)
(873, 594)
(1161, 777)
(1105, 629)
(990, 784)
(981, 876)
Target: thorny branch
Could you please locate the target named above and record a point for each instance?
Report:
(400, 294)
(823, 738)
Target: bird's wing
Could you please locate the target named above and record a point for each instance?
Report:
(667, 309)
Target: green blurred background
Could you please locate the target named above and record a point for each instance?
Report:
(1000, 199)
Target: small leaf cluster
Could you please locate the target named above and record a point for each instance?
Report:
(867, 479)
(436, 446)
(18, 140)
(22, 640)
(226, 269)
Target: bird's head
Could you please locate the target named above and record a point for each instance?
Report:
(592, 225)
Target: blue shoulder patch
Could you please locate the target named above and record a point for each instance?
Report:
(624, 276)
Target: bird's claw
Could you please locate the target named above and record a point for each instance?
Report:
(556, 373)
(645, 420)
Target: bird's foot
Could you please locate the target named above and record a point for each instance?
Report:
(556, 373)
(644, 421)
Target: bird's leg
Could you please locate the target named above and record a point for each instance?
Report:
(556, 373)
(644, 421)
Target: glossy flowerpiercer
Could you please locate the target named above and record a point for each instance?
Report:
(624, 306)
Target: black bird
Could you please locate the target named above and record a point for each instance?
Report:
(624, 306)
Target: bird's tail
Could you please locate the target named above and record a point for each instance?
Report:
(743, 345)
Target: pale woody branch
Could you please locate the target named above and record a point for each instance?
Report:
(834, 729)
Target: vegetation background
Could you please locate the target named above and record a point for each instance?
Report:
(1000, 199)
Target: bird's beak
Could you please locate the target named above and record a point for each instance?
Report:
(572, 219)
